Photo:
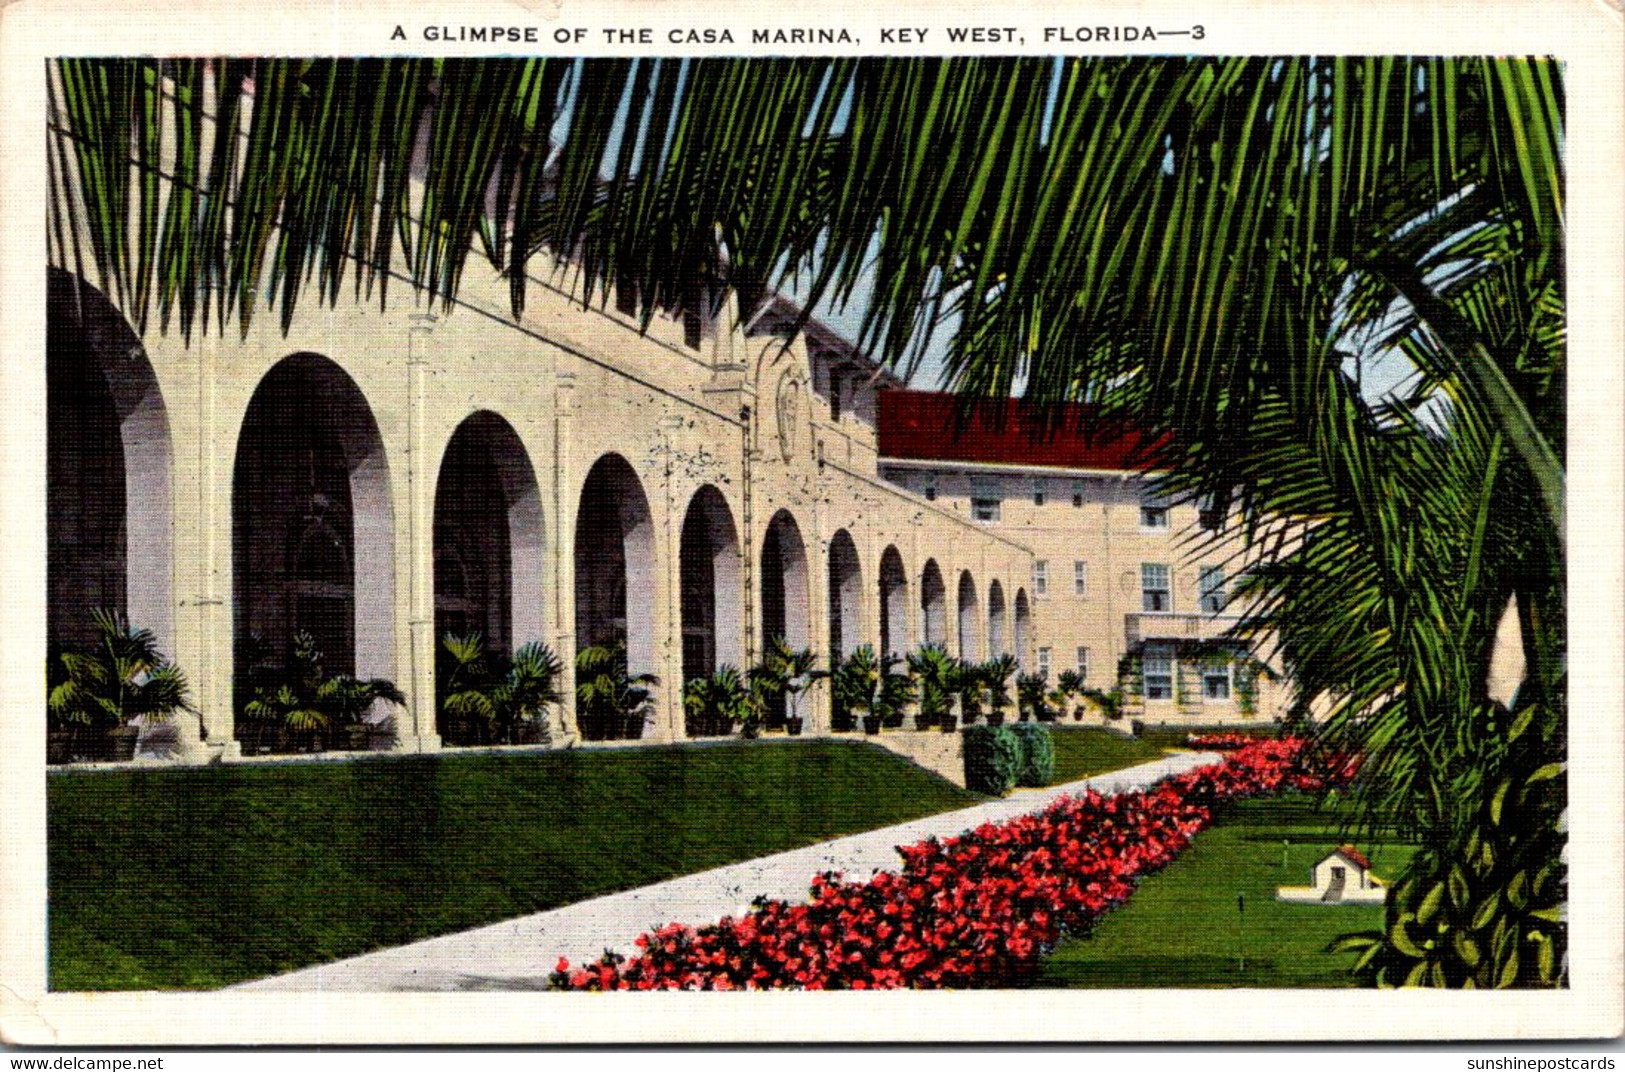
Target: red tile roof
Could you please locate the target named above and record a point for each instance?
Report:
(1356, 855)
(925, 426)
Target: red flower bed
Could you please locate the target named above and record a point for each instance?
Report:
(1219, 742)
(976, 910)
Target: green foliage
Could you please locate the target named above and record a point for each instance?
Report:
(1037, 754)
(124, 677)
(995, 677)
(500, 700)
(1490, 916)
(611, 703)
(936, 680)
(793, 670)
(1110, 701)
(1032, 697)
(304, 705)
(993, 759)
(865, 684)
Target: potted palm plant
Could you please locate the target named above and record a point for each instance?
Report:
(995, 677)
(795, 672)
(315, 708)
(893, 694)
(611, 703)
(935, 680)
(490, 699)
(855, 680)
(1069, 689)
(104, 690)
(1031, 698)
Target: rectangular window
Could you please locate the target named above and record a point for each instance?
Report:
(1212, 590)
(1208, 514)
(1156, 595)
(984, 509)
(835, 386)
(1043, 663)
(1077, 500)
(1040, 578)
(1038, 495)
(1080, 578)
(1153, 513)
(930, 493)
(1083, 664)
(1216, 683)
(1157, 670)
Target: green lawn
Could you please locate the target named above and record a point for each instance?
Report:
(1182, 929)
(1083, 751)
(204, 877)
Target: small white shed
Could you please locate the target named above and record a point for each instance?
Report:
(1343, 876)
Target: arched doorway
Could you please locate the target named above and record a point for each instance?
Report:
(997, 642)
(487, 547)
(894, 639)
(784, 594)
(970, 640)
(933, 604)
(109, 506)
(488, 537)
(784, 583)
(614, 555)
(1023, 630)
(313, 545)
(845, 596)
(709, 563)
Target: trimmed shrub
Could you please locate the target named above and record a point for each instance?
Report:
(1037, 754)
(993, 758)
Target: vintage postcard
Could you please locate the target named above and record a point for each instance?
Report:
(957, 524)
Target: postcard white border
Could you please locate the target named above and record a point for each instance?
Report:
(1586, 34)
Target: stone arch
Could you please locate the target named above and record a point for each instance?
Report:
(1023, 630)
(998, 641)
(109, 479)
(784, 583)
(845, 595)
(933, 604)
(313, 544)
(970, 640)
(894, 638)
(488, 536)
(614, 556)
(709, 567)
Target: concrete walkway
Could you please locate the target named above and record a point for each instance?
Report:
(518, 954)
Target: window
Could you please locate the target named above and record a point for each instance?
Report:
(1157, 671)
(1211, 587)
(1156, 596)
(1153, 513)
(1083, 664)
(1040, 578)
(1038, 495)
(1077, 498)
(1209, 515)
(1216, 683)
(984, 509)
(1043, 663)
(835, 386)
(1080, 578)
(930, 493)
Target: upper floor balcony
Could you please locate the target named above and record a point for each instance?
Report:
(1142, 626)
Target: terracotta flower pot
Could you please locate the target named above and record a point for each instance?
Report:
(120, 743)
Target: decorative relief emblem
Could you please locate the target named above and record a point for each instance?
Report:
(788, 405)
